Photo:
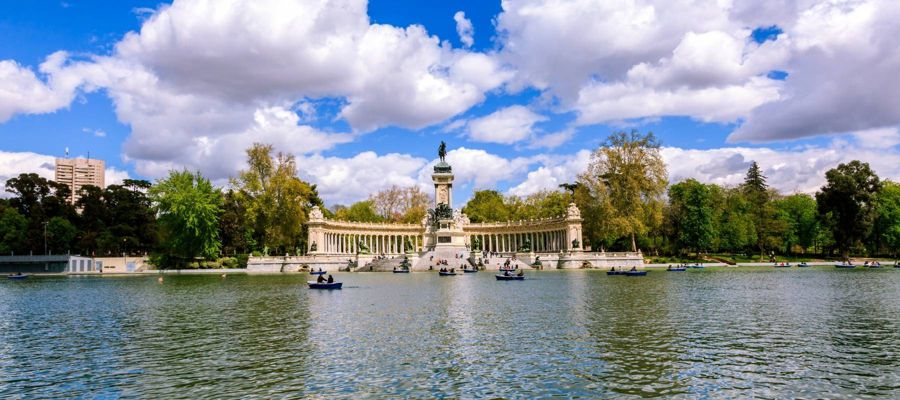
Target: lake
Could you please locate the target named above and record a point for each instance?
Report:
(754, 332)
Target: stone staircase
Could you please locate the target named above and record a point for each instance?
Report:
(456, 259)
(382, 265)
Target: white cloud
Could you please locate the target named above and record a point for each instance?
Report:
(478, 168)
(843, 73)
(800, 169)
(883, 138)
(507, 125)
(114, 176)
(346, 180)
(554, 171)
(22, 92)
(464, 29)
(199, 73)
(95, 132)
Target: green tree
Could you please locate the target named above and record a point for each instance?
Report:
(629, 169)
(801, 218)
(769, 227)
(847, 203)
(886, 234)
(487, 206)
(277, 201)
(361, 211)
(60, 235)
(692, 215)
(737, 230)
(39, 200)
(92, 221)
(235, 226)
(132, 218)
(189, 208)
(13, 231)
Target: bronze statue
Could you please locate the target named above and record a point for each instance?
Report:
(442, 150)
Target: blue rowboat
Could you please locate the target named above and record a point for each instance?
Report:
(510, 277)
(635, 273)
(696, 266)
(844, 266)
(327, 286)
(442, 273)
(802, 265)
(676, 269)
(17, 277)
(401, 271)
(317, 272)
(470, 271)
(782, 266)
(615, 272)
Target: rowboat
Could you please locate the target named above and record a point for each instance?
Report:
(680, 269)
(803, 265)
(327, 286)
(615, 272)
(635, 273)
(17, 276)
(401, 271)
(469, 271)
(317, 272)
(844, 266)
(510, 277)
(443, 273)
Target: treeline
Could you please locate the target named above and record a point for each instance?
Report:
(180, 221)
(627, 204)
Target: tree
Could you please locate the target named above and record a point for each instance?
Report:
(132, 218)
(39, 200)
(235, 227)
(630, 171)
(361, 211)
(277, 201)
(801, 218)
(886, 233)
(189, 208)
(487, 206)
(847, 203)
(60, 235)
(692, 215)
(737, 230)
(757, 192)
(399, 204)
(13, 231)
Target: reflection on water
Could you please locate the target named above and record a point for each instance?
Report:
(765, 333)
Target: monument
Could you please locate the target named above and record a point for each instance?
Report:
(445, 235)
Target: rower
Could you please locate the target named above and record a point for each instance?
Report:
(330, 278)
(320, 279)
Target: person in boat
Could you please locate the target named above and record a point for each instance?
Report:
(452, 270)
(320, 279)
(330, 278)
(634, 268)
(521, 272)
(669, 268)
(505, 273)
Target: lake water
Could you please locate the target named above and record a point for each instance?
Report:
(815, 333)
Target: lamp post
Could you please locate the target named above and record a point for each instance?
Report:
(45, 237)
(125, 253)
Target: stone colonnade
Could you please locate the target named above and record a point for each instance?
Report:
(550, 241)
(377, 243)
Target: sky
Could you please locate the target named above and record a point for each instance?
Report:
(362, 93)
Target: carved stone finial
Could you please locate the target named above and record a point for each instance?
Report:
(315, 214)
(572, 211)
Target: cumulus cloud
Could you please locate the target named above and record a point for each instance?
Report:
(553, 171)
(478, 168)
(464, 29)
(346, 180)
(507, 125)
(198, 76)
(843, 72)
(800, 169)
(22, 92)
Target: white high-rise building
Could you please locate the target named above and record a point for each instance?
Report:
(78, 172)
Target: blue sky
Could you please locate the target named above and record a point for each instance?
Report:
(362, 93)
